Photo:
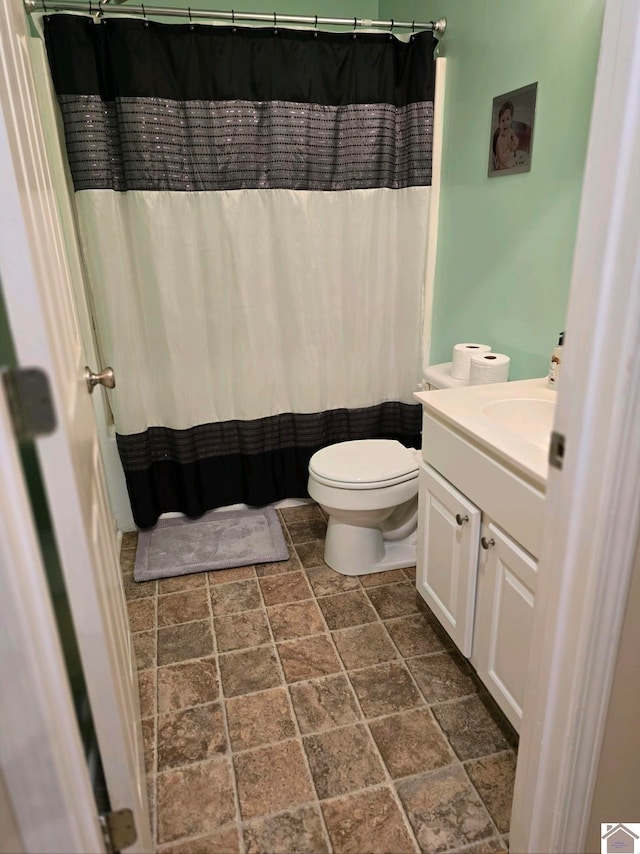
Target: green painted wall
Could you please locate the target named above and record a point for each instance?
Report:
(505, 244)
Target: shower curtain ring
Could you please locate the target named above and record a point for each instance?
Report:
(413, 26)
(233, 16)
(391, 27)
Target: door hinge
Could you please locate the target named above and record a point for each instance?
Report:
(118, 830)
(30, 401)
(556, 450)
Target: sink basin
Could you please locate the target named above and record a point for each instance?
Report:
(512, 421)
(529, 418)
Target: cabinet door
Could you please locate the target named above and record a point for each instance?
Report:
(448, 536)
(507, 577)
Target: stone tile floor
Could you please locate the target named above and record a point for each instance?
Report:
(287, 708)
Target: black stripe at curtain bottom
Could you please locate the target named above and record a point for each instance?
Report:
(195, 486)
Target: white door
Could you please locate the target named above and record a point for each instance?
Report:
(45, 788)
(507, 580)
(44, 324)
(448, 537)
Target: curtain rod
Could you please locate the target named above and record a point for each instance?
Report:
(103, 6)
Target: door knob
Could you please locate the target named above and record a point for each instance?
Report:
(105, 378)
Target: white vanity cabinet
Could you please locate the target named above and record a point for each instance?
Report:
(482, 482)
(503, 617)
(480, 584)
(448, 539)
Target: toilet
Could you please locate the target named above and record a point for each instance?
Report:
(369, 490)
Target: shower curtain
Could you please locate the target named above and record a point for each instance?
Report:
(252, 208)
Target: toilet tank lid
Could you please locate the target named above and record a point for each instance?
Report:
(364, 461)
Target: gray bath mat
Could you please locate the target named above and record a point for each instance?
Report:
(217, 540)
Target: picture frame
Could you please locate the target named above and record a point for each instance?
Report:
(511, 139)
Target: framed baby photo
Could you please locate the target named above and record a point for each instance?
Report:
(512, 120)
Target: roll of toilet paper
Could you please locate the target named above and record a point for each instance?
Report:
(461, 360)
(489, 368)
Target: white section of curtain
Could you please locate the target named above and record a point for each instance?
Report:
(250, 303)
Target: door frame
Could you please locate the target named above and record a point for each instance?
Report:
(592, 513)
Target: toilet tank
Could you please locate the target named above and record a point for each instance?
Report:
(439, 376)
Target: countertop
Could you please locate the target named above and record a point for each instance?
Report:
(517, 433)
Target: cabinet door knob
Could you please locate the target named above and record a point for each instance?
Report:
(461, 519)
(486, 544)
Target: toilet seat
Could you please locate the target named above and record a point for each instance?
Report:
(364, 464)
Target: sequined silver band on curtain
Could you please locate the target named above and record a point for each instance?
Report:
(161, 144)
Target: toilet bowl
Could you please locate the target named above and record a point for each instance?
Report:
(369, 490)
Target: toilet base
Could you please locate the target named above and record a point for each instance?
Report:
(353, 550)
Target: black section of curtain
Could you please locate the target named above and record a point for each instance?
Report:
(192, 477)
(188, 62)
(183, 108)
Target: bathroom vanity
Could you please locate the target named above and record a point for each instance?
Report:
(481, 501)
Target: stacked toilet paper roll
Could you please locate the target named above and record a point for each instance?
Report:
(461, 360)
(489, 368)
